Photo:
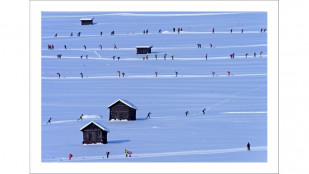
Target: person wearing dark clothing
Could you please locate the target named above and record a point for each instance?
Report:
(113, 32)
(118, 58)
(56, 35)
(81, 57)
(144, 32)
(78, 34)
(213, 30)
(176, 73)
(204, 111)
(156, 74)
(85, 47)
(101, 33)
(231, 30)
(165, 56)
(114, 57)
(82, 75)
(115, 47)
(49, 121)
(65, 46)
(261, 53)
(246, 55)
(147, 57)
(160, 31)
(248, 146)
(206, 56)
(107, 154)
(210, 45)
(86, 56)
(213, 73)
(147, 31)
(264, 30)
(187, 112)
(71, 34)
(254, 54)
(58, 75)
(242, 30)
(123, 74)
(156, 56)
(174, 29)
(148, 115)
(172, 57)
(261, 30)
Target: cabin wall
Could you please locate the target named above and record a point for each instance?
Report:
(92, 134)
(119, 111)
(132, 114)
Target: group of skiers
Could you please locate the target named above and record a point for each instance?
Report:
(178, 30)
(123, 74)
(145, 31)
(81, 57)
(203, 111)
(50, 47)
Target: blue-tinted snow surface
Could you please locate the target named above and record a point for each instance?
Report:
(236, 105)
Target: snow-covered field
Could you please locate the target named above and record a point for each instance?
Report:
(236, 105)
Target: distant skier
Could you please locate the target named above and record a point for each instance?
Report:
(58, 75)
(264, 30)
(81, 57)
(86, 56)
(246, 55)
(213, 30)
(228, 73)
(65, 46)
(174, 29)
(113, 32)
(254, 54)
(82, 75)
(147, 57)
(130, 153)
(147, 31)
(101, 33)
(165, 56)
(123, 74)
(118, 73)
(56, 35)
(204, 111)
(49, 121)
(100, 47)
(52, 47)
(187, 112)
(156, 74)
(181, 29)
(261, 30)
(199, 45)
(107, 154)
(115, 47)
(156, 56)
(160, 30)
(210, 45)
(213, 73)
(148, 115)
(176, 73)
(114, 57)
(78, 34)
(231, 30)
(118, 58)
(248, 146)
(71, 34)
(172, 57)
(80, 117)
(233, 55)
(70, 156)
(178, 30)
(206, 56)
(85, 47)
(261, 53)
(242, 30)
(144, 32)
(127, 152)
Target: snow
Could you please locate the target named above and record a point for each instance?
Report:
(236, 105)
(126, 102)
(97, 124)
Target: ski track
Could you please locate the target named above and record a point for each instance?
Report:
(164, 32)
(152, 59)
(150, 76)
(162, 154)
(251, 112)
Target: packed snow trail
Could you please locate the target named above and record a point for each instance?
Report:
(160, 154)
(150, 76)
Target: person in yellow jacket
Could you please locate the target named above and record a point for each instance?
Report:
(81, 117)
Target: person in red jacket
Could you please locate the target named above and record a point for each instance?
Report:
(228, 73)
(70, 156)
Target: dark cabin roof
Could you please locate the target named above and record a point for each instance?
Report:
(126, 102)
(97, 124)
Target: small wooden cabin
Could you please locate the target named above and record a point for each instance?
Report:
(122, 110)
(143, 49)
(94, 133)
(86, 21)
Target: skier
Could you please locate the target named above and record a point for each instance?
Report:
(118, 58)
(204, 111)
(228, 73)
(71, 34)
(59, 56)
(246, 55)
(56, 35)
(261, 30)
(52, 46)
(213, 30)
(242, 30)
(160, 30)
(176, 73)
(148, 115)
(178, 30)
(123, 74)
(130, 153)
(58, 75)
(231, 56)
(264, 30)
(81, 57)
(248, 146)
(101, 33)
(165, 56)
(261, 53)
(231, 30)
(156, 74)
(49, 47)
(80, 117)
(115, 47)
(213, 73)
(174, 29)
(254, 54)
(181, 29)
(113, 32)
(187, 112)
(114, 57)
(156, 56)
(86, 56)
(78, 34)
(172, 57)
(147, 31)
(65, 46)
(126, 151)
(118, 73)
(144, 31)
(210, 45)
(100, 47)
(85, 47)
(206, 56)
(70, 156)
(147, 57)
(107, 154)
(49, 121)
(82, 75)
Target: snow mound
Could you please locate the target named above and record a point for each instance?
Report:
(165, 32)
(92, 116)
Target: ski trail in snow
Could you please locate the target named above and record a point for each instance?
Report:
(96, 53)
(68, 121)
(244, 112)
(159, 48)
(153, 59)
(152, 76)
(160, 154)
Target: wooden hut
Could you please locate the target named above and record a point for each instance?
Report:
(94, 133)
(86, 21)
(122, 110)
(143, 49)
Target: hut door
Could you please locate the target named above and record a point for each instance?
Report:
(92, 137)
